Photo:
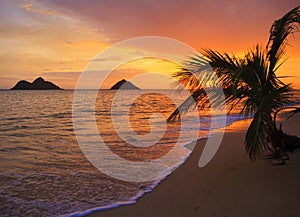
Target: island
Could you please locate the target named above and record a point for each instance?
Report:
(37, 84)
(124, 85)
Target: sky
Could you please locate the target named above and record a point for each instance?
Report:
(57, 39)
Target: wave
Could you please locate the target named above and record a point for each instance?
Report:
(231, 118)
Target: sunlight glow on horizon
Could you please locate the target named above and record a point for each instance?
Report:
(55, 40)
(161, 70)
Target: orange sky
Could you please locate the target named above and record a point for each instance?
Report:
(56, 39)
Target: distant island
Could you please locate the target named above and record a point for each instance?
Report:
(124, 85)
(37, 84)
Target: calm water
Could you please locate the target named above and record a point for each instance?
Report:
(43, 171)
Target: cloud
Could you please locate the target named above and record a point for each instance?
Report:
(195, 21)
(35, 37)
(32, 23)
(62, 74)
(63, 36)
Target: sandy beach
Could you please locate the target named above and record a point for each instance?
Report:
(230, 185)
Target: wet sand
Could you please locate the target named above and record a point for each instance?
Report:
(229, 186)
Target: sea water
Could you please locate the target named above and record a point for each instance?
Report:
(43, 171)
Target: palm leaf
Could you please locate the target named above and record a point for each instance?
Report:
(256, 136)
(279, 33)
(250, 81)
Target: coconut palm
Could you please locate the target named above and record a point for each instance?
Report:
(250, 81)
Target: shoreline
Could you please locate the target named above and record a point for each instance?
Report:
(229, 185)
(189, 147)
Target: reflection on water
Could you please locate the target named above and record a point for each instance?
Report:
(43, 171)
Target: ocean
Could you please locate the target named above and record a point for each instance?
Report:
(43, 168)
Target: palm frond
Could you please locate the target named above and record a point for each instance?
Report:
(187, 104)
(199, 77)
(249, 81)
(256, 136)
(279, 33)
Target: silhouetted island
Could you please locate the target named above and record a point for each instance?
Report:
(124, 85)
(37, 84)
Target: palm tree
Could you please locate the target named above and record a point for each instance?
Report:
(250, 81)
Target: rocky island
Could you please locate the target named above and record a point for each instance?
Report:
(124, 85)
(37, 84)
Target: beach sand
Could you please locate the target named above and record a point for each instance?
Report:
(230, 185)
